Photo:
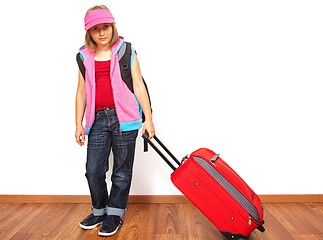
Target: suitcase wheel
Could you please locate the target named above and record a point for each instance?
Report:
(261, 228)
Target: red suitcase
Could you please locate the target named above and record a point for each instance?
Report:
(216, 190)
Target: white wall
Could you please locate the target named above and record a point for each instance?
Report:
(240, 77)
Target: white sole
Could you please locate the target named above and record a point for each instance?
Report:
(90, 227)
(109, 234)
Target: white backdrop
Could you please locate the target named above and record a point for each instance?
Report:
(240, 77)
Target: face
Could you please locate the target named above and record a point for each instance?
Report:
(101, 34)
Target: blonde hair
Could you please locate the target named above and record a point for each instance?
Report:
(89, 42)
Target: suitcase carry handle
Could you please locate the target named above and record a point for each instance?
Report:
(146, 137)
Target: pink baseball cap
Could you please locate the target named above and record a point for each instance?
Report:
(96, 17)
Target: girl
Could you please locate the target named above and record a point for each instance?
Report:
(113, 117)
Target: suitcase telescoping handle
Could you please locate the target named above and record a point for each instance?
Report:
(146, 137)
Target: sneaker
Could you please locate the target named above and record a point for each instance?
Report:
(110, 225)
(92, 221)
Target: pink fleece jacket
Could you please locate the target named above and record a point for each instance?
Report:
(127, 106)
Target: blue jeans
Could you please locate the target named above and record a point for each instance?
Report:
(104, 136)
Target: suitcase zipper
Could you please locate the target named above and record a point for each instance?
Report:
(232, 190)
(213, 160)
(238, 177)
(246, 187)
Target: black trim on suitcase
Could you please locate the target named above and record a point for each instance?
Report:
(232, 236)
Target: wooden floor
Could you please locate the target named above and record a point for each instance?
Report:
(283, 221)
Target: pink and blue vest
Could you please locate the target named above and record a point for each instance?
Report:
(127, 106)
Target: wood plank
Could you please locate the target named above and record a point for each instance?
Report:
(297, 218)
(308, 236)
(139, 221)
(274, 228)
(171, 221)
(198, 226)
(11, 224)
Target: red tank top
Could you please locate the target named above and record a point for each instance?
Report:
(104, 94)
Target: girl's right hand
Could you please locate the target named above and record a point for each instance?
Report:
(80, 135)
